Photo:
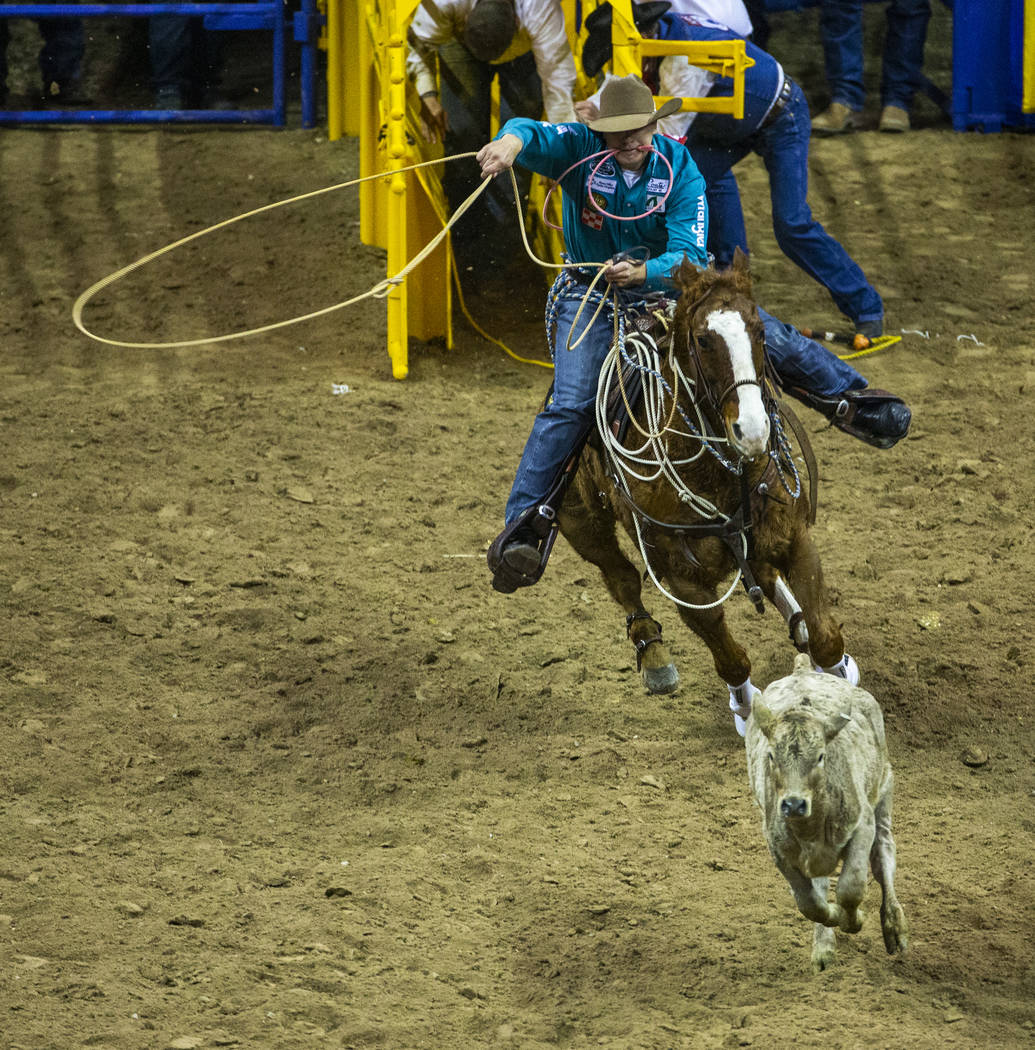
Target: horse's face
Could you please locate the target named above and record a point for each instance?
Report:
(726, 337)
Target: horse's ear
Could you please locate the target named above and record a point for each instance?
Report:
(686, 275)
(741, 271)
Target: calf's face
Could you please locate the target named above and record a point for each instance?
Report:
(796, 757)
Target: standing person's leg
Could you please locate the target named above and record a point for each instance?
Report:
(465, 95)
(784, 147)
(841, 29)
(61, 59)
(5, 36)
(169, 42)
(902, 72)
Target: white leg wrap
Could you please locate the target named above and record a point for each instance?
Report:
(741, 697)
(790, 610)
(845, 668)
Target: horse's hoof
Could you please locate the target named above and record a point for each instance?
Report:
(661, 679)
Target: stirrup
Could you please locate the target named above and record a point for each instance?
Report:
(539, 522)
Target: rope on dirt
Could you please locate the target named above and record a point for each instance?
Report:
(381, 290)
(882, 342)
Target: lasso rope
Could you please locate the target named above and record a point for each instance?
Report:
(380, 290)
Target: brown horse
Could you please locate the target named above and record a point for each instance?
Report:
(704, 483)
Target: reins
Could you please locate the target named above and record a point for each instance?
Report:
(641, 352)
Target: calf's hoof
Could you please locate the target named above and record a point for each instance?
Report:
(896, 932)
(824, 949)
(661, 679)
(851, 920)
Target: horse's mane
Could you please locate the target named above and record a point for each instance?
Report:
(695, 285)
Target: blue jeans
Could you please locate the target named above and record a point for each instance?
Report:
(569, 411)
(803, 362)
(841, 27)
(557, 428)
(185, 57)
(783, 146)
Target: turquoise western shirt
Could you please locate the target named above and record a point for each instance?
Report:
(678, 228)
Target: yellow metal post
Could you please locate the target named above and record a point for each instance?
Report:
(727, 58)
(335, 78)
(1028, 72)
(394, 87)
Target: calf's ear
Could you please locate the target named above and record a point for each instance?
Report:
(763, 718)
(836, 724)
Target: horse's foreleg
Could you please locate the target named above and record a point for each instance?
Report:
(780, 594)
(592, 536)
(805, 579)
(709, 624)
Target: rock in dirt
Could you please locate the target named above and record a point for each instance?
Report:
(975, 757)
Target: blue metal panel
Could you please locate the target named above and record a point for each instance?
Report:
(267, 15)
(987, 60)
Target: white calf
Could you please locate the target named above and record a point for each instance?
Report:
(818, 765)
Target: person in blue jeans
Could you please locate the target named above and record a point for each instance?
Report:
(627, 184)
(841, 29)
(60, 59)
(775, 126)
(186, 61)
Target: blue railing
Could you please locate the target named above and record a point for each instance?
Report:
(268, 15)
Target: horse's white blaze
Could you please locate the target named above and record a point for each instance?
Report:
(751, 432)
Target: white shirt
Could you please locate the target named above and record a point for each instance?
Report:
(730, 13)
(540, 30)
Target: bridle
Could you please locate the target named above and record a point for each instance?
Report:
(717, 403)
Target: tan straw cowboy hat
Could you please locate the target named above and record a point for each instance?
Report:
(626, 103)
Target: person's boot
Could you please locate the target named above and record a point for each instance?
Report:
(516, 557)
(62, 93)
(893, 119)
(874, 416)
(836, 120)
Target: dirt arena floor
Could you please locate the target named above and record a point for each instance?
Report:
(280, 770)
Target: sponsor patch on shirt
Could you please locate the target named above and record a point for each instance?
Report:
(657, 185)
(602, 184)
(592, 218)
(655, 203)
(607, 168)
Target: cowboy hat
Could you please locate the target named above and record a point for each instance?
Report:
(596, 51)
(626, 103)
